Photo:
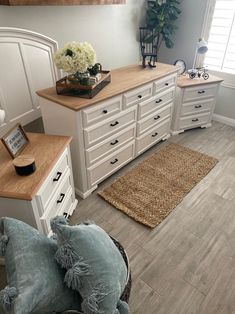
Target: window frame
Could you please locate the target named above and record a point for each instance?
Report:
(229, 78)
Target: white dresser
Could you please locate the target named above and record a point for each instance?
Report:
(126, 118)
(46, 193)
(194, 103)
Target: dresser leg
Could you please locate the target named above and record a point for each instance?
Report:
(208, 125)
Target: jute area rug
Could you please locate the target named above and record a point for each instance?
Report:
(150, 191)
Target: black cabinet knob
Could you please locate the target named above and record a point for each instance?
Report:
(115, 123)
(60, 200)
(166, 84)
(155, 134)
(140, 96)
(114, 142)
(57, 177)
(105, 111)
(114, 161)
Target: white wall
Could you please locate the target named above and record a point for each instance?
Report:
(111, 29)
(189, 31)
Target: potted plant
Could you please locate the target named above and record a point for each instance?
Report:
(160, 24)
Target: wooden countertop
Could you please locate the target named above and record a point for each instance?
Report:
(186, 81)
(122, 80)
(46, 149)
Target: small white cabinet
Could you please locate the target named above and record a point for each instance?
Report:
(126, 118)
(194, 103)
(46, 193)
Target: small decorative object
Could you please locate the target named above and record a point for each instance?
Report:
(148, 47)
(198, 72)
(201, 48)
(181, 65)
(15, 140)
(160, 26)
(85, 77)
(24, 165)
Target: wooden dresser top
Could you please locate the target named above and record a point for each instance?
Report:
(186, 81)
(122, 80)
(46, 149)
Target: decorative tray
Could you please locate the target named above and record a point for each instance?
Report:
(65, 87)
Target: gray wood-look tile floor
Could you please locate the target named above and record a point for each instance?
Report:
(186, 265)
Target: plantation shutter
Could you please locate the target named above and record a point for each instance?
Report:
(221, 43)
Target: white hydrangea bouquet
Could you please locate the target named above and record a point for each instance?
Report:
(76, 59)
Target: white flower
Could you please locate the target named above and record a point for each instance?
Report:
(75, 57)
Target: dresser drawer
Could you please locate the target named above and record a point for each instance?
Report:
(101, 150)
(197, 107)
(113, 125)
(151, 105)
(199, 92)
(59, 200)
(194, 120)
(139, 94)
(105, 168)
(153, 136)
(64, 210)
(164, 83)
(102, 111)
(153, 119)
(53, 180)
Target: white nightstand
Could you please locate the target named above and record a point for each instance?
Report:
(194, 103)
(46, 193)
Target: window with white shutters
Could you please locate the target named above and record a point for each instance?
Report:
(221, 40)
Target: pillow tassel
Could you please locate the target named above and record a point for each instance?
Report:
(7, 296)
(74, 274)
(57, 222)
(90, 305)
(3, 244)
(65, 256)
(123, 307)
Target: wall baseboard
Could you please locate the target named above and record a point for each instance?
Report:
(223, 119)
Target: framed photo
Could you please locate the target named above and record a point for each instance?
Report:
(15, 140)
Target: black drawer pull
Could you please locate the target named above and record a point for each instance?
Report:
(198, 106)
(155, 134)
(140, 96)
(158, 101)
(65, 215)
(201, 92)
(114, 143)
(60, 200)
(58, 175)
(156, 118)
(195, 120)
(115, 123)
(114, 161)
(166, 84)
(105, 111)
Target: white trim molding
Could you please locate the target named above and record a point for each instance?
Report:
(229, 79)
(223, 119)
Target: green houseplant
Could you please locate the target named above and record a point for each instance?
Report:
(160, 19)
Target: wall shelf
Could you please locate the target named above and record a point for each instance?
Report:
(60, 2)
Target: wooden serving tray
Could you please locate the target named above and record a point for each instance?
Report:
(63, 87)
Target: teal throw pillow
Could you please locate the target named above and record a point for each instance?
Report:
(35, 280)
(95, 267)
